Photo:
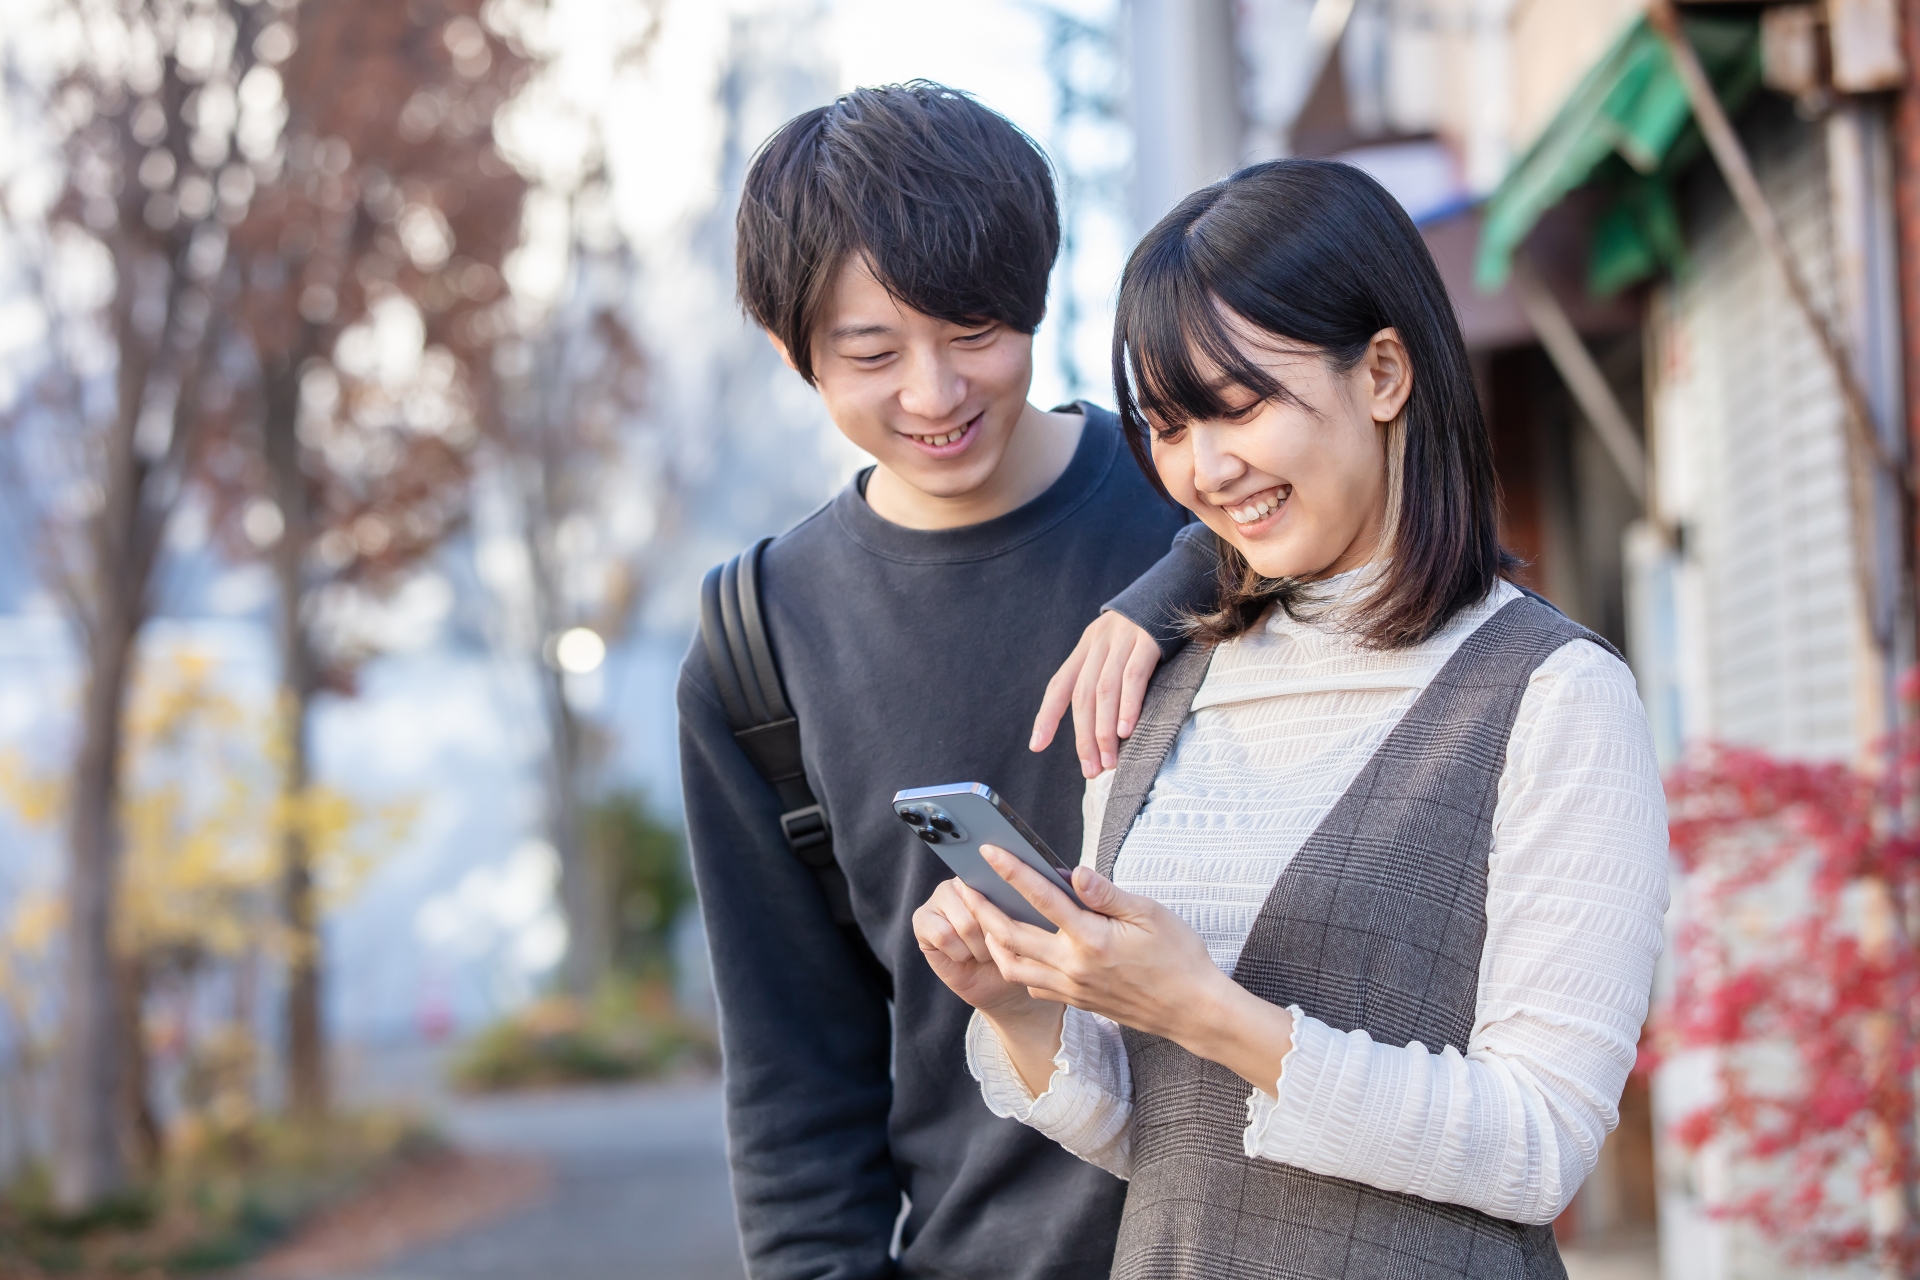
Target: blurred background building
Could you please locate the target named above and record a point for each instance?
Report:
(440, 587)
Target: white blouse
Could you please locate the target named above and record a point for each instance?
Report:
(1287, 716)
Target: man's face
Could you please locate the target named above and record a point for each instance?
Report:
(935, 403)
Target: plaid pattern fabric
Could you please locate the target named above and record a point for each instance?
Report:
(1378, 924)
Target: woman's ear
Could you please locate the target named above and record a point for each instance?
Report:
(1389, 375)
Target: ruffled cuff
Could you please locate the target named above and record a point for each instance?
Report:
(1300, 1070)
(1087, 1106)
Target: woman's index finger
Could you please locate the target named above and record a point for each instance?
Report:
(1040, 893)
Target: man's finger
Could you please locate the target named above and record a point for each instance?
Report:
(1058, 698)
(1141, 664)
(1085, 696)
(1106, 695)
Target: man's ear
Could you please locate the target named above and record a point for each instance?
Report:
(785, 354)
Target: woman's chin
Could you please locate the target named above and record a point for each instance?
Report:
(1271, 561)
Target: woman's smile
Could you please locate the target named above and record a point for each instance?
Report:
(1262, 511)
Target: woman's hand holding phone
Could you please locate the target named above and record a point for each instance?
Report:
(949, 934)
(1127, 958)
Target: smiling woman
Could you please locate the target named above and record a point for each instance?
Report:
(1373, 895)
(1301, 295)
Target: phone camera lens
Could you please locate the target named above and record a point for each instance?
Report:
(931, 837)
(943, 822)
(913, 817)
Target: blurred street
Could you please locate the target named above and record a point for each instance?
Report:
(375, 397)
(639, 1189)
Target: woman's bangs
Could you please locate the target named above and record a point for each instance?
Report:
(1183, 357)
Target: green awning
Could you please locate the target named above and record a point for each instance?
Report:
(1628, 128)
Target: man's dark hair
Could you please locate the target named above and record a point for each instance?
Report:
(949, 202)
(1316, 254)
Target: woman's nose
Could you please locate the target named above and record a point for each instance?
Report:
(1214, 468)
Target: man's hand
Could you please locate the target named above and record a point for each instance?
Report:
(1104, 680)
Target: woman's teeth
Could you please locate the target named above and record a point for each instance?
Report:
(948, 438)
(1255, 510)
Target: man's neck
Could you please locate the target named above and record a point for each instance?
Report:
(1041, 446)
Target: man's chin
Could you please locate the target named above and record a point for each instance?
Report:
(949, 479)
(946, 484)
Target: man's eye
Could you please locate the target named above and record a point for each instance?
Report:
(976, 337)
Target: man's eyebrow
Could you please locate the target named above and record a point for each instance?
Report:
(858, 331)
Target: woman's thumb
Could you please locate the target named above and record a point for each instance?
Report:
(1099, 893)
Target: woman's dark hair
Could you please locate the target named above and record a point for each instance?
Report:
(951, 204)
(1318, 255)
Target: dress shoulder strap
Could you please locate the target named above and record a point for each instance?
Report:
(1169, 698)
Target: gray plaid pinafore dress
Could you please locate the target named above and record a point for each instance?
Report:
(1376, 924)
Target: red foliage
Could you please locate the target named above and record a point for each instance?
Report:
(1794, 946)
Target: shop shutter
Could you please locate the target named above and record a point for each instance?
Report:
(1749, 454)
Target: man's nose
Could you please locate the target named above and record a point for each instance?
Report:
(933, 388)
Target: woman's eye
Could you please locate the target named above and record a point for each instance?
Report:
(1169, 435)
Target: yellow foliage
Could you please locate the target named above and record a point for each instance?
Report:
(26, 941)
(205, 820)
(35, 799)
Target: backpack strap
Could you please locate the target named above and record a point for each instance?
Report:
(755, 700)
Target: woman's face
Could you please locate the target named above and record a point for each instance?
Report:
(1299, 488)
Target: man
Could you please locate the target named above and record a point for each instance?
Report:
(896, 247)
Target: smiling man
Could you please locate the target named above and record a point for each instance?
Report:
(896, 247)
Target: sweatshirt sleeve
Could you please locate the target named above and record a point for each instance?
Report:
(1576, 889)
(804, 1024)
(1088, 1105)
(1183, 582)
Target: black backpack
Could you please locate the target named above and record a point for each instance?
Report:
(755, 701)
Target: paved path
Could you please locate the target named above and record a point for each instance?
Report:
(640, 1193)
(640, 1190)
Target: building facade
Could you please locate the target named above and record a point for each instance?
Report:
(1761, 599)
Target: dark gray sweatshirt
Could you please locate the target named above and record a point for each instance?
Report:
(911, 658)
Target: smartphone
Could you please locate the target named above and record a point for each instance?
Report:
(956, 819)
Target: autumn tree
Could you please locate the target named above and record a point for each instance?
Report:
(1797, 986)
(371, 263)
(202, 821)
(139, 104)
(589, 491)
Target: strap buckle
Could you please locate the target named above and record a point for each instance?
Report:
(808, 834)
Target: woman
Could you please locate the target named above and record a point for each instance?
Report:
(1374, 894)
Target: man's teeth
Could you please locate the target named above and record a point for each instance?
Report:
(1254, 510)
(948, 438)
